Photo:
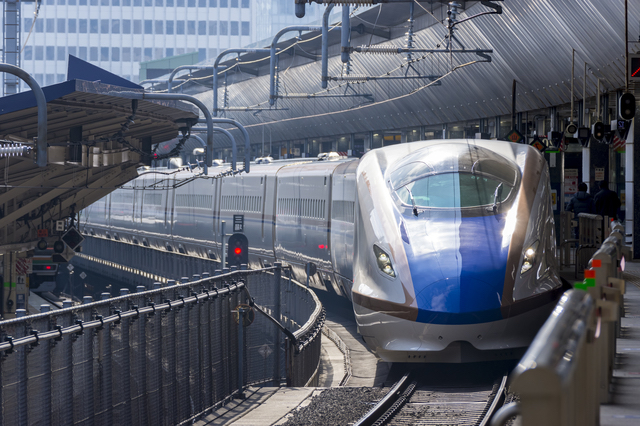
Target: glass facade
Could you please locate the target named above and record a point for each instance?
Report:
(100, 31)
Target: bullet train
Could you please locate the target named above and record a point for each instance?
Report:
(446, 248)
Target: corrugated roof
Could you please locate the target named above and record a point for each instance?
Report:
(532, 43)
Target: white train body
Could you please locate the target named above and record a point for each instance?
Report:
(458, 290)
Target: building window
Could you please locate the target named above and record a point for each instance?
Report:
(104, 26)
(72, 28)
(234, 3)
(245, 4)
(202, 28)
(50, 25)
(137, 2)
(137, 26)
(224, 28)
(71, 50)
(169, 27)
(50, 53)
(148, 3)
(28, 22)
(213, 3)
(148, 26)
(62, 2)
(169, 3)
(191, 27)
(104, 2)
(137, 54)
(213, 27)
(126, 54)
(115, 53)
(115, 26)
(191, 3)
(28, 53)
(169, 52)
(59, 78)
(213, 53)
(180, 3)
(93, 54)
(126, 26)
(104, 53)
(159, 27)
(148, 54)
(246, 28)
(224, 3)
(49, 78)
(82, 2)
(179, 27)
(115, 3)
(61, 53)
(126, 2)
(160, 3)
(82, 26)
(234, 28)
(82, 53)
(72, 2)
(39, 25)
(93, 26)
(202, 3)
(62, 25)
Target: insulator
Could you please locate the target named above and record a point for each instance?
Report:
(12, 151)
(379, 50)
(353, 77)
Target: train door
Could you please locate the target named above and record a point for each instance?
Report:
(342, 219)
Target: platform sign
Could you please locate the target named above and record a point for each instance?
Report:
(515, 136)
(538, 144)
(570, 181)
(43, 233)
(599, 174)
(238, 223)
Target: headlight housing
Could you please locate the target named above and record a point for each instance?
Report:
(529, 257)
(384, 261)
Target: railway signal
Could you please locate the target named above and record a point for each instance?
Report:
(598, 131)
(627, 106)
(237, 250)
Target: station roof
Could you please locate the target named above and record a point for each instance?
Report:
(80, 172)
(100, 109)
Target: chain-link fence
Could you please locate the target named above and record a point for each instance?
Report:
(159, 357)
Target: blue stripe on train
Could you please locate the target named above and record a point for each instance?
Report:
(458, 267)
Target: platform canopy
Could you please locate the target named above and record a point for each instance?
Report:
(97, 139)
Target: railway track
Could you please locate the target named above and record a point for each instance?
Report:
(411, 403)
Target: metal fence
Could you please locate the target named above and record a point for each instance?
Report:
(159, 357)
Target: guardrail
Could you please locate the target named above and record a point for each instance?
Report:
(162, 356)
(565, 375)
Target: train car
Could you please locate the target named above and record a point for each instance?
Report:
(455, 250)
(446, 248)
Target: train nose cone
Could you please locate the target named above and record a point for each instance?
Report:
(458, 300)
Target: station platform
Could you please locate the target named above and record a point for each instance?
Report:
(271, 405)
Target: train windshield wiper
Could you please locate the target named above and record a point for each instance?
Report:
(413, 202)
(496, 194)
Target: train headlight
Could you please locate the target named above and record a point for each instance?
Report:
(529, 257)
(384, 261)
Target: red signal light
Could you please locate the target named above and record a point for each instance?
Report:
(237, 250)
(321, 246)
(48, 267)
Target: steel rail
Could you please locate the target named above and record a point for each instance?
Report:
(385, 403)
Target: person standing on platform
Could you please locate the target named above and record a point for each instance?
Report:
(582, 202)
(606, 201)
